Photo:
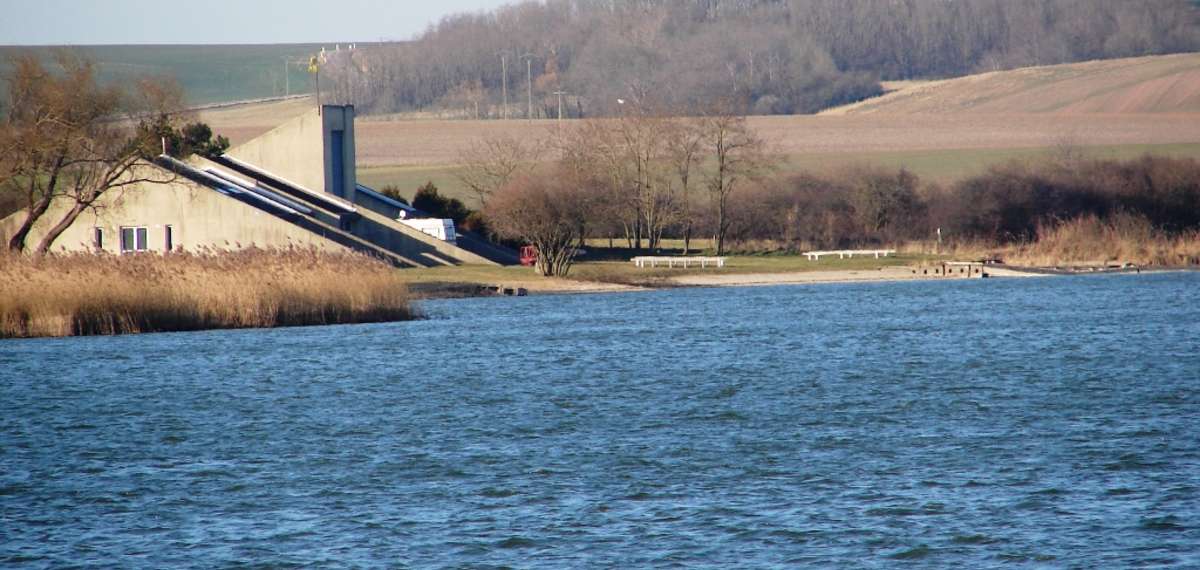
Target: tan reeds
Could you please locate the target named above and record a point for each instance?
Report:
(86, 294)
(1121, 238)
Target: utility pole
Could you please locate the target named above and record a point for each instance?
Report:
(287, 86)
(314, 67)
(560, 96)
(504, 83)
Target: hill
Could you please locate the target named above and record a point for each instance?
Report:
(208, 73)
(243, 121)
(1155, 84)
(761, 57)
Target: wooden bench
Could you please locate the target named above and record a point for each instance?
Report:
(684, 262)
(849, 253)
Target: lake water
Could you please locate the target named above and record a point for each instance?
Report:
(969, 423)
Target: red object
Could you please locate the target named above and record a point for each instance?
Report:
(529, 255)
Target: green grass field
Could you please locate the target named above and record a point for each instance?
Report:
(409, 178)
(208, 73)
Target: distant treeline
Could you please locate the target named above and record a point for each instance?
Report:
(1011, 203)
(770, 56)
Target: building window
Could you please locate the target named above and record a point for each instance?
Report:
(133, 239)
(170, 238)
(98, 238)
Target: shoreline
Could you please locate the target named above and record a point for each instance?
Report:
(881, 275)
(554, 286)
(445, 290)
(567, 286)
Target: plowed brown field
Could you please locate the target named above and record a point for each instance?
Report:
(440, 142)
(1118, 107)
(1156, 84)
(433, 142)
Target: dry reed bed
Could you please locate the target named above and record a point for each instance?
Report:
(86, 294)
(1084, 241)
(1122, 238)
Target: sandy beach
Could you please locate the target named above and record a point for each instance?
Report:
(847, 276)
(559, 286)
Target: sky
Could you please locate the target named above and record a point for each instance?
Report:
(88, 22)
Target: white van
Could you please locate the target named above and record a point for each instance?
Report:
(438, 228)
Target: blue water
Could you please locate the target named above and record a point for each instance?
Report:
(972, 423)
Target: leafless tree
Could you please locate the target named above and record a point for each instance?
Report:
(631, 154)
(685, 151)
(491, 162)
(68, 140)
(591, 149)
(738, 154)
(545, 209)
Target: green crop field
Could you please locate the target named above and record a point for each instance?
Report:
(208, 73)
(409, 178)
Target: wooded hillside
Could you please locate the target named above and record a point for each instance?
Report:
(767, 56)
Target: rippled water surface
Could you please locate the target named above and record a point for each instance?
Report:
(984, 423)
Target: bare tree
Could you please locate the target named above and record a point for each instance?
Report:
(491, 162)
(738, 153)
(645, 139)
(65, 140)
(685, 150)
(51, 123)
(592, 150)
(545, 209)
(631, 155)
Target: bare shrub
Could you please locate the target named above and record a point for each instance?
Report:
(547, 210)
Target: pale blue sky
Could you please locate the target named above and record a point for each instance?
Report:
(84, 22)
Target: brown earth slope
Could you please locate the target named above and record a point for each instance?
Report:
(943, 129)
(242, 122)
(1156, 84)
(429, 143)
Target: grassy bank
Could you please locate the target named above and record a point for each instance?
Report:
(103, 294)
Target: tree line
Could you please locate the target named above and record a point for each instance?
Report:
(642, 175)
(1009, 203)
(642, 178)
(768, 56)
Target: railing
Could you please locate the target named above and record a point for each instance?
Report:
(684, 262)
(849, 253)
